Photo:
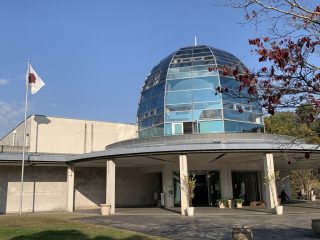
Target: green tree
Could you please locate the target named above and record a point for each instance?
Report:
(299, 124)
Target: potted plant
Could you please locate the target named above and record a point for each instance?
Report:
(190, 184)
(238, 202)
(222, 203)
(105, 209)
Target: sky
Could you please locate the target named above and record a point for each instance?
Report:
(94, 55)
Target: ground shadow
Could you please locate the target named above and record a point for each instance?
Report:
(70, 235)
(292, 233)
(171, 210)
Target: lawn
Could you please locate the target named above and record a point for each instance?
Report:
(59, 226)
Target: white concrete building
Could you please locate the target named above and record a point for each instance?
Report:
(184, 127)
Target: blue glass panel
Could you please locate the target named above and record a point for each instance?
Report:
(152, 132)
(205, 82)
(158, 119)
(207, 105)
(180, 107)
(157, 101)
(242, 127)
(179, 97)
(233, 114)
(230, 83)
(179, 75)
(179, 84)
(158, 89)
(205, 95)
(168, 129)
(211, 127)
(233, 99)
(196, 115)
(211, 114)
(159, 110)
(179, 116)
(143, 107)
(177, 128)
(147, 122)
(204, 73)
(146, 94)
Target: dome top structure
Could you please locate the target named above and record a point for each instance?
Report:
(179, 97)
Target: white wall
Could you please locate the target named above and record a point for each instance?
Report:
(44, 189)
(69, 136)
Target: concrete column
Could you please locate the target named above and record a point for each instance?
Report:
(226, 182)
(183, 164)
(269, 176)
(70, 188)
(110, 185)
(167, 186)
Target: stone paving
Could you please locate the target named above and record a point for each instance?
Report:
(214, 223)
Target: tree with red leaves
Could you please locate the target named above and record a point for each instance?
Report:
(290, 74)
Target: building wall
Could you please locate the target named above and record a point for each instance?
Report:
(44, 189)
(69, 136)
(90, 187)
(135, 188)
(15, 137)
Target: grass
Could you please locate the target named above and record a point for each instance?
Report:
(60, 226)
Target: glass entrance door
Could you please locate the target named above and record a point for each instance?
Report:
(246, 185)
(214, 187)
(177, 128)
(206, 192)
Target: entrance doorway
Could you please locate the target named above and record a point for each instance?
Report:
(200, 191)
(207, 190)
(214, 187)
(246, 185)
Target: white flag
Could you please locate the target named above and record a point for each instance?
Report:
(34, 81)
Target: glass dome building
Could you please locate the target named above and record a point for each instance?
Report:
(179, 96)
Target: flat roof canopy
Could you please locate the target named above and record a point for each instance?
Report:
(207, 147)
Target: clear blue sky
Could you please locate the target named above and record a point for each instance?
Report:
(94, 55)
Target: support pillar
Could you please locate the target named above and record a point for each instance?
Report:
(70, 188)
(110, 185)
(167, 186)
(270, 181)
(183, 164)
(226, 182)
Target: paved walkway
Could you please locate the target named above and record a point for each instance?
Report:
(214, 223)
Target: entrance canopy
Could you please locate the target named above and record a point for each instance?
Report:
(206, 149)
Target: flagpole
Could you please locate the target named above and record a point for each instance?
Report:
(24, 137)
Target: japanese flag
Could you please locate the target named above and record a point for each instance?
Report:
(34, 81)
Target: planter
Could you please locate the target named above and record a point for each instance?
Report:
(105, 209)
(221, 204)
(239, 205)
(229, 203)
(279, 210)
(316, 227)
(313, 197)
(190, 211)
(242, 233)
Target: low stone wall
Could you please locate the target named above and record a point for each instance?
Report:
(44, 189)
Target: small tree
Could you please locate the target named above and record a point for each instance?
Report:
(288, 47)
(190, 184)
(305, 180)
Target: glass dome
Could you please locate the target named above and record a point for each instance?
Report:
(179, 96)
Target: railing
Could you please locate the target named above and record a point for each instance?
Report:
(202, 139)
